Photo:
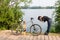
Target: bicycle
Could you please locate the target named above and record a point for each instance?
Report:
(17, 28)
(35, 29)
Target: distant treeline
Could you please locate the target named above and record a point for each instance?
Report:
(38, 7)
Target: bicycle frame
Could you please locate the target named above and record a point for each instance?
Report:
(32, 21)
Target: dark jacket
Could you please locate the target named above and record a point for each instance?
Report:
(45, 18)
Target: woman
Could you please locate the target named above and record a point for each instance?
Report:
(45, 18)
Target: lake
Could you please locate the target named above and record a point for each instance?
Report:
(35, 13)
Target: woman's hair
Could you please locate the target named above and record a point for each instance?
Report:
(39, 17)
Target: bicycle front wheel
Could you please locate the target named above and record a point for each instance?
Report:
(35, 29)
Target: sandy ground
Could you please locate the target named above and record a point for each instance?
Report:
(7, 35)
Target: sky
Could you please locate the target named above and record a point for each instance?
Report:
(43, 3)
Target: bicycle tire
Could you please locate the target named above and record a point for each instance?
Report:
(13, 29)
(38, 26)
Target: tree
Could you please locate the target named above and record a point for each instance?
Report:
(10, 12)
(57, 17)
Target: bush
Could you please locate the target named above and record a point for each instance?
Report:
(10, 12)
(57, 17)
(52, 29)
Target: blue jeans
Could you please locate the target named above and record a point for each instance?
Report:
(49, 25)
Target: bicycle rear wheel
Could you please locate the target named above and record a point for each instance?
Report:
(15, 29)
(35, 29)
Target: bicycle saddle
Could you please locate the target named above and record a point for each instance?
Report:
(32, 18)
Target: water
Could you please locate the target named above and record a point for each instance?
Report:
(35, 13)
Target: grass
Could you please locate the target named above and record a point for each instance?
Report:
(55, 34)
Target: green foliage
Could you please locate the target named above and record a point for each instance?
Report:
(9, 13)
(52, 29)
(57, 17)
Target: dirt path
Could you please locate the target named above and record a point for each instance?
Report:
(6, 35)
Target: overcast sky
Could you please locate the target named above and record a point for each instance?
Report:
(43, 3)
